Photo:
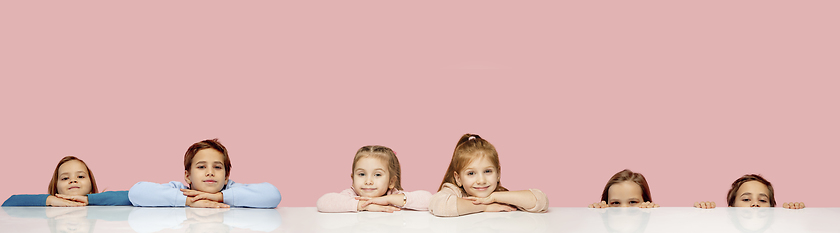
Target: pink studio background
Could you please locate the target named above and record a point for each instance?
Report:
(693, 95)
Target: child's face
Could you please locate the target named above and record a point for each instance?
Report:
(752, 194)
(371, 177)
(207, 172)
(73, 178)
(479, 178)
(625, 194)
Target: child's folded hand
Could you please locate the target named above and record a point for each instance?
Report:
(59, 202)
(496, 207)
(482, 201)
(82, 199)
(206, 204)
(196, 195)
(364, 201)
(377, 204)
(378, 208)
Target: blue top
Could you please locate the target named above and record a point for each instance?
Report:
(104, 198)
(262, 195)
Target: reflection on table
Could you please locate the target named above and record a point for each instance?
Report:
(147, 220)
(625, 220)
(751, 220)
(68, 219)
(308, 219)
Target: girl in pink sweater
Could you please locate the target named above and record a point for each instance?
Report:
(376, 186)
(473, 184)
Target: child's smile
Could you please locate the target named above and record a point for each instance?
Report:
(73, 179)
(207, 173)
(480, 178)
(371, 177)
(481, 188)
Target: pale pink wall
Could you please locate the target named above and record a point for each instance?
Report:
(693, 95)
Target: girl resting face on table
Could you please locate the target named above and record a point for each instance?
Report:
(72, 184)
(472, 184)
(375, 187)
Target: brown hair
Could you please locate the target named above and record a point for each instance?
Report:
(211, 144)
(733, 192)
(469, 148)
(385, 154)
(626, 175)
(53, 189)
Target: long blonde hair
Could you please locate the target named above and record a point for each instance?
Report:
(385, 154)
(469, 148)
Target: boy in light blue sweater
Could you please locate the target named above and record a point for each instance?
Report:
(206, 171)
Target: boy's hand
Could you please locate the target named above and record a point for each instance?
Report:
(599, 205)
(496, 207)
(705, 205)
(59, 202)
(82, 199)
(206, 204)
(196, 195)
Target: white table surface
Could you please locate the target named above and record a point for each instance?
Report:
(308, 219)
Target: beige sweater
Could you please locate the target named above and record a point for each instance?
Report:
(444, 203)
(346, 200)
